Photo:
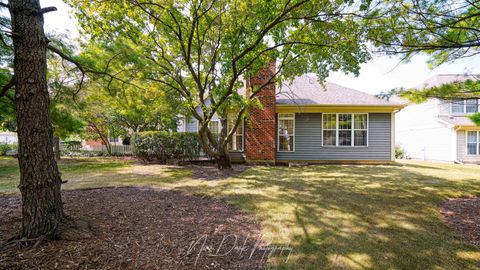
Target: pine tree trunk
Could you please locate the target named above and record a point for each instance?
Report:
(40, 182)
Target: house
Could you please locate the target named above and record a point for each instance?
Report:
(8, 138)
(440, 129)
(305, 121)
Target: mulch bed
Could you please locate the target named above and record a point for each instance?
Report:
(211, 172)
(139, 228)
(463, 215)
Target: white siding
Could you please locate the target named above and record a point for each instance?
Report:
(8, 138)
(434, 143)
(418, 115)
(181, 125)
(422, 135)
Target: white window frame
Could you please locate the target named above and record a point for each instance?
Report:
(218, 125)
(464, 107)
(353, 130)
(329, 129)
(338, 130)
(235, 135)
(281, 116)
(478, 143)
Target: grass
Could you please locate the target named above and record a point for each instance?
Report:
(334, 217)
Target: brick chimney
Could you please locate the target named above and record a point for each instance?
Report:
(260, 132)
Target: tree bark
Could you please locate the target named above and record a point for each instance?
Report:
(214, 147)
(58, 154)
(223, 159)
(40, 182)
(223, 162)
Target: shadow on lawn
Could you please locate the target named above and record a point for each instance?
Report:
(353, 216)
(334, 217)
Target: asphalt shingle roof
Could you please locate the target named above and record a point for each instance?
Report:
(441, 79)
(457, 120)
(306, 90)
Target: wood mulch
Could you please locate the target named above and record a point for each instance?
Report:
(463, 215)
(211, 172)
(138, 228)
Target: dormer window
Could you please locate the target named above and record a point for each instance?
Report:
(465, 106)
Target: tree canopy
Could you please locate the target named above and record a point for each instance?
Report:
(204, 50)
(446, 30)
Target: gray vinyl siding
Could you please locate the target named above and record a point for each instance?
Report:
(308, 140)
(462, 149)
(237, 157)
(191, 125)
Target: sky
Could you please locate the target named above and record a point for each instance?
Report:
(382, 73)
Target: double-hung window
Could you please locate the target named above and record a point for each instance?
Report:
(236, 142)
(471, 105)
(463, 106)
(286, 132)
(345, 129)
(473, 142)
(360, 134)
(330, 129)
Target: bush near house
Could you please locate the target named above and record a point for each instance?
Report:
(399, 152)
(6, 149)
(164, 147)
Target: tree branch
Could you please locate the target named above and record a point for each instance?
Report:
(85, 70)
(46, 10)
(7, 87)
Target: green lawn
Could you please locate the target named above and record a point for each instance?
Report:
(334, 217)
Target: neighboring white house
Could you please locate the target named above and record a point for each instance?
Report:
(8, 138)
(440, 129)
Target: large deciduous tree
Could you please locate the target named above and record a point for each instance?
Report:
(446, 30)
(205, 49)
(40, 182)
(138, 106)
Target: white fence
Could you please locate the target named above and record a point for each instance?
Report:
(116, 149)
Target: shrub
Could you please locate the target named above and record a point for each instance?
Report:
(167, 146)
(399, 152)
(8, 149)
(73, 145)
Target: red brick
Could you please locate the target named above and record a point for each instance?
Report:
(260, 135)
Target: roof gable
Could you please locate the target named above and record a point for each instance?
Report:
(306, 90)
(442, 79)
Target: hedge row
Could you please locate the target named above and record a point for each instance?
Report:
(164, 147)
